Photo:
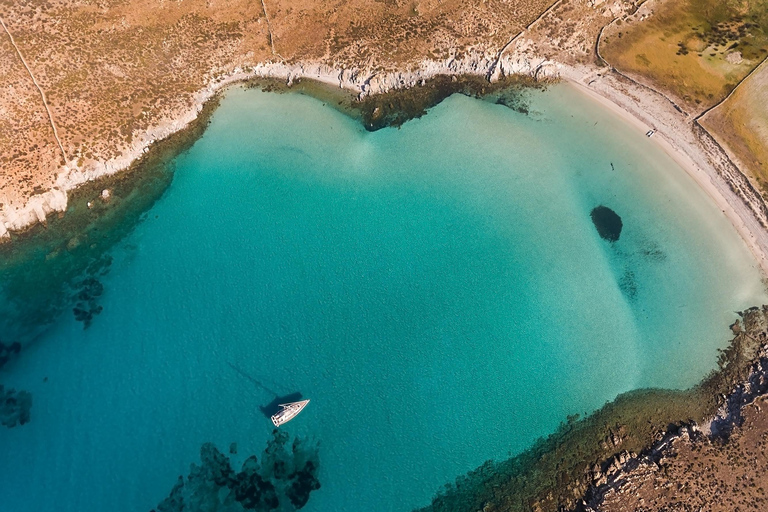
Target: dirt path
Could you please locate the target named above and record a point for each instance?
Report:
(541, 16)
(269, 28)
(40, 90)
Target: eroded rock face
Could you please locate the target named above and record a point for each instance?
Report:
(14, 407)
(283, 480)
(607, 222)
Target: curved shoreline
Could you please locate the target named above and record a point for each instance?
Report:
(357, 82)
(94, 186)
(585, 458)
(676, 135)
(741, 215)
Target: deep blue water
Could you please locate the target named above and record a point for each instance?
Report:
(438, 291)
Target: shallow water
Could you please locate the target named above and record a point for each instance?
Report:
(439, 292)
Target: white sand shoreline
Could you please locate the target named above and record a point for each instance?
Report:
(702, 178)
(637, 107)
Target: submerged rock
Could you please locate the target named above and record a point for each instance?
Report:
(607, 222)
(14, 407)
(8, 351)
(87, 306)
(283, 480)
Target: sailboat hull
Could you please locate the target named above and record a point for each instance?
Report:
(288, 412)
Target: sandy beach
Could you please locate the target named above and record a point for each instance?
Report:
(675, 136)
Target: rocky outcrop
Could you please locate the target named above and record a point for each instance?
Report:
(283, 480)
(14, 407)
(35, 210)
(625, 470)
(366, 82)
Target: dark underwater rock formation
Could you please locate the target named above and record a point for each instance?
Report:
(14, 407)
(8, 351)
(283, 481)
(397, 106)
(87, 306)
(607, 222)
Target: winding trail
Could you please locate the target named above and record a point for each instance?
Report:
(40, 90)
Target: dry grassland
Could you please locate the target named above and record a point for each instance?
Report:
(698, 50)
(741, 124)
(719, 476)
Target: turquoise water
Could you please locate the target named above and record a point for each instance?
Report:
(439, 293)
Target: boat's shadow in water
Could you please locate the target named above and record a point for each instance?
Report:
(274, 406)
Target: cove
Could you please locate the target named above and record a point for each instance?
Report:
(438, 291)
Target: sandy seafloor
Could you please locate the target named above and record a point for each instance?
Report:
(438, 291)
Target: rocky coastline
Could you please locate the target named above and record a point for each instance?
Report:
(592, 457)
(625, 473)
(361, 83)
(368, 94)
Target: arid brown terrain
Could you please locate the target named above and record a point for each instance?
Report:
(699, 474)
(110, 69)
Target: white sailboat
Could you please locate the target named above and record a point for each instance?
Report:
(288, 412)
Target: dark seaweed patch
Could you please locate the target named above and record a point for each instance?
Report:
(607, 222)
(628, 284)
(653, 252)
(8, 351)
(87, 306)
(14, 407)
(284, 480)
(398, 106)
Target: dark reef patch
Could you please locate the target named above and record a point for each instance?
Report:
(395, 107)
(14, 407)
(87, 306)
(607, 222)
(653, 252)
(628, 284)
(283, 481)
(42, 269)
(8, 351)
